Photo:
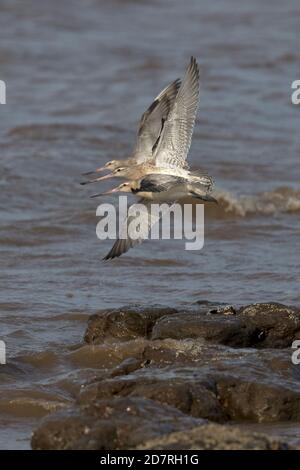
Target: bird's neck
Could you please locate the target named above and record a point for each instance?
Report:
(135, 190)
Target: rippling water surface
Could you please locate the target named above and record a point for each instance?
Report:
(78, 77)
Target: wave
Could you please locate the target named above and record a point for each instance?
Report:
(280, 200)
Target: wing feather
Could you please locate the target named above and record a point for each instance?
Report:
(147, 220)
(177, 133)
(152, 122)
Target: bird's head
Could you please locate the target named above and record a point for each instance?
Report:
(112, 165)
(121, 171)
(118, 172)
(122, 188)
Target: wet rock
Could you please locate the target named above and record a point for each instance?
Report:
(209, 381)
(124, 323)
(127, 366)
(164, 373)
(62, 431)
(186, 394)
(121, 423)
(224, 330)
(260, 325)
(216, 437)
(107, 355)
(227, 310)
(274, 325)
(258, 401)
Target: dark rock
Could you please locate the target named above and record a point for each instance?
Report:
(209, 381)
(162, 373)
(228, 310)
(216, 437)
(124, 323)
(186, 394)
(121, 423)
(258, 401)
(274, 325)
(127, 366)
(62, 431)
(225, 330)
(259, 325)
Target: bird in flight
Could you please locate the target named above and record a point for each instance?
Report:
(158, 170)
(157, 189)
(149, 156)
(149, 130)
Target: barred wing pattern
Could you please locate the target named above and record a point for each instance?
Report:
(152, 122)
(177, 133)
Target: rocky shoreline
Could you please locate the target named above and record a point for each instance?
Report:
(183, 379)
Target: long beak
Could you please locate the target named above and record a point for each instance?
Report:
(114, 190)
(110, 175)
(98, 170)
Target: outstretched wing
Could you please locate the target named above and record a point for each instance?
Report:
(128, 237)
(152, 122)
(175, 140)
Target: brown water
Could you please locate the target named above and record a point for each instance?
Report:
(78, 77)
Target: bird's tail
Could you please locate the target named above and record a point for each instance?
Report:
(199, 176)
(204, 197)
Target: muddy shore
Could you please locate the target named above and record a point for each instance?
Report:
(207, 377)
